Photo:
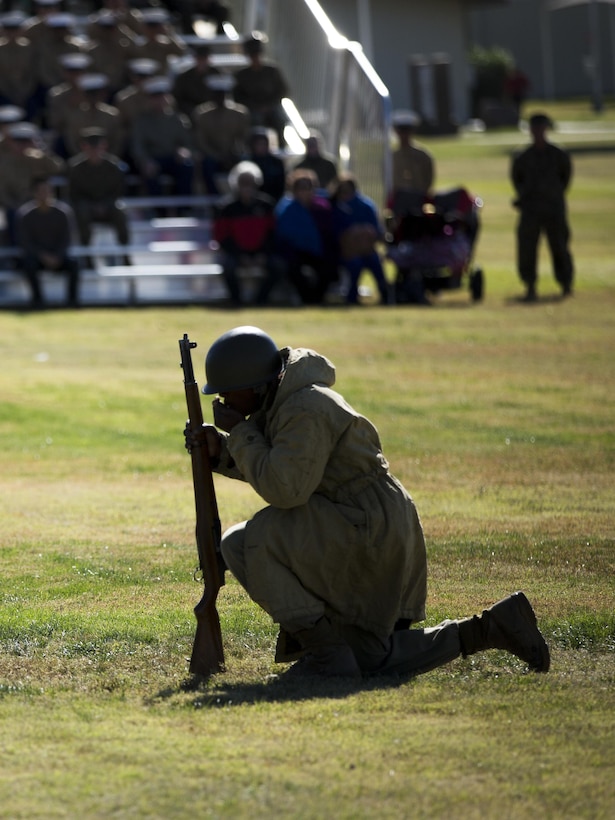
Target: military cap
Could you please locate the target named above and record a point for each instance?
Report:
(11, 113)
(157, 85)
(62, 20)
(75, 61)
(92, 135)
(23, 131)
(93, 82)
(144, 67)
(13, 19)
(155, 17)
(405, 118)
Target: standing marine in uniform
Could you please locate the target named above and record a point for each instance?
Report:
(337, 557)
(541, 175)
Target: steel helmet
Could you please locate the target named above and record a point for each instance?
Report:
(242, 357)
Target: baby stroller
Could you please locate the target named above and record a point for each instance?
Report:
(431, 240)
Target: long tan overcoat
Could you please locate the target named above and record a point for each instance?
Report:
(339, 529)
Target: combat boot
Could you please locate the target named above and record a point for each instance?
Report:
(326, 655)
(511, 625)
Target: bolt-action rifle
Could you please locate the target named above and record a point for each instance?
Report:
(207, 650)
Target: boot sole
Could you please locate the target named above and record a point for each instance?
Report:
(541, 660)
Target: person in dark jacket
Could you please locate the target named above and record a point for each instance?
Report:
(243, 228)
(44, 232)
(96, 181)
(541, 176)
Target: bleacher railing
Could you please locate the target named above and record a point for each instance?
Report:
(333, 85)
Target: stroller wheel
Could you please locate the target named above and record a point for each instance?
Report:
(477, 284)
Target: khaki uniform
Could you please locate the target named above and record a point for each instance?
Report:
(110, 56)
(413, 169)
(159, 48)
(99, 115)
(94, 190)
(61, 100)
(158, 134)
(221, 132)
(340, 535)
(18, 77)
(18, 170)
(130, 102)
(48, 51)
(190, 89)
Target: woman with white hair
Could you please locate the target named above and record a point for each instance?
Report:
(243, 228)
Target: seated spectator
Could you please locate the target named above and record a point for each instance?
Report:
(18, 75)
(9, 115)
(162, 141)
(190, 87)
(356, 225)
(66, 97)
(56, 37)
(243, 228)
(44, 232)
(261, 86)
(131, 101)
(96, 181)
(159, 41)
(93, 112)
(24, 159)
(221, 130)
(271, 165)
(111, 48)
(317, 160)
(128, 20)
(305, 238)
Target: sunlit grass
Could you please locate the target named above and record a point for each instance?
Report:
(497, 417)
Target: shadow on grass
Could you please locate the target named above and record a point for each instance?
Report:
(207, 694)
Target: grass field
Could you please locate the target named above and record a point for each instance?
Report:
(498, 417)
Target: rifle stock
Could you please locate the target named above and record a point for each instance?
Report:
(207, 649)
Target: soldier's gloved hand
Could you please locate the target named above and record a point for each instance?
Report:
(205, 436)
(226, 417)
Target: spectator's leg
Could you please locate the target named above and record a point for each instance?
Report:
(230, 264)
(528, 233)
(31, 266)
(558, 237)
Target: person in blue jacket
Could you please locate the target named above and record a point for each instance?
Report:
(305, 238)
(357, 228)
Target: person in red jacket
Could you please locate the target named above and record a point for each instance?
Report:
(244, 228)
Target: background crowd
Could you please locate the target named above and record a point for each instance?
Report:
(119, 101)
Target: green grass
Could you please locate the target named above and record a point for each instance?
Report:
(497, 417)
